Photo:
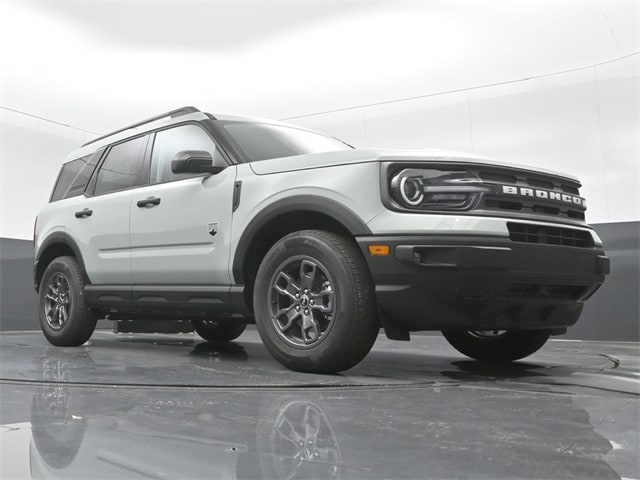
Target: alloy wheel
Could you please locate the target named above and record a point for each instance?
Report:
(302, 301)
(57, 304)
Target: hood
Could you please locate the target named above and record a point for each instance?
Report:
(345, 157)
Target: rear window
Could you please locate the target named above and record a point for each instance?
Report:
(74, 176)
(262, 141)
(122, 168)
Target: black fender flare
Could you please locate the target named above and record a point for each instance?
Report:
(313, 203)
(56, 238)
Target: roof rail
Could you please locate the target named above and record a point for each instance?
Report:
(178, 112)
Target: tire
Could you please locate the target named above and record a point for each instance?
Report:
(64, 317)
(219, 331)
(497, 346)
(314, 302)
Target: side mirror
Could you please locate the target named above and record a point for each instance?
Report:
(195, 161)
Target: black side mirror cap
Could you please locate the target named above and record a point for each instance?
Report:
(195, 161)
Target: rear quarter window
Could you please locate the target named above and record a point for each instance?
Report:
(74, 176)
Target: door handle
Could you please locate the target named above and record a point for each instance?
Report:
(84, 213)
(148, 201)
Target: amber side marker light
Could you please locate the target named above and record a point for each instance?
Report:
(380, 250)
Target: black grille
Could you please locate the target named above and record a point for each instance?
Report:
(536, 182)
(538, 206)
(541, 234)
(544, 291)
(569, 189)
(498, 177)
(493, 202)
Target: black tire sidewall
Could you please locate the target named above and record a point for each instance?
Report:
(80, 323)
(342, 332)
(510, 346)
(222, 331)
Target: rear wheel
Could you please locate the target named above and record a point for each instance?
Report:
(64, 317)
(314, 302)
(219, 330)
(497, 345)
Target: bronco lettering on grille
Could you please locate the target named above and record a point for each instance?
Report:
(544, 194)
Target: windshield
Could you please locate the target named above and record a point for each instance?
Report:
(262, 141)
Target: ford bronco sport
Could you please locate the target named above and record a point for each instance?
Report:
(224, 221)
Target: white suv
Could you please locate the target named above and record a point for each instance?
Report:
(225, 221)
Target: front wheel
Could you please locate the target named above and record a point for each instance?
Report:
(314, 302)
(219, 330)
(497, 345)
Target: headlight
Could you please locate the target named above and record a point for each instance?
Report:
(435, 189)
(411, 189)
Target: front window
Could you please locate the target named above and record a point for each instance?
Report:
(262, 141)
(169, 142)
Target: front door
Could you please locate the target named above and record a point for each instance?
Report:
(181, 223)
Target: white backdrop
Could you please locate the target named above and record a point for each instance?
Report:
(101, 64)
(583, 122)
(31, 152)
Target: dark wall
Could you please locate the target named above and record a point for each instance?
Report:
(613, 313)
(18, 299)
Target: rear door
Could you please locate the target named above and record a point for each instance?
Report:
(99, 220)
(181, 223)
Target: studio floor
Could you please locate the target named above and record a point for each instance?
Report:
(174, 406)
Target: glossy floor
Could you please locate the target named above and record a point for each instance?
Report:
(154, 406)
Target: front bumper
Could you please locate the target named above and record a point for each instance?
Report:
(481, 283)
